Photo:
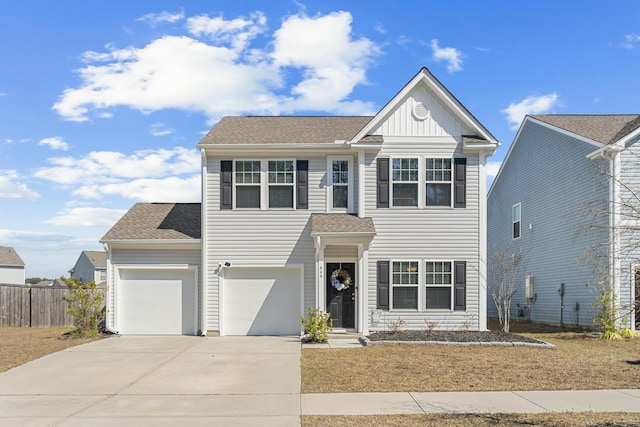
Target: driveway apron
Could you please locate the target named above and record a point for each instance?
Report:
(158, 380)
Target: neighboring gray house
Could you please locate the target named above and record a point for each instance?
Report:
(11, 267)
(555, 198)
(380, 221)
(91, 265)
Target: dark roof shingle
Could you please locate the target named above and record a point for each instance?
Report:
(605, 129)
(284, 129)
(158, 221)
(97, 258)
(340, 223)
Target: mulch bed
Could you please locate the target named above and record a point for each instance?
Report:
(452, 336)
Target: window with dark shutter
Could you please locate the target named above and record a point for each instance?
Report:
(460, 285)
(382, 187)
(302, 184)
(460, 183)
(383, 285)
(226, 184)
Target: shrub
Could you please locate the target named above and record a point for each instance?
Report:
(85, 305)
(317, 325)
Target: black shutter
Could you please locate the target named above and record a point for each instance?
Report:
(460, 183)
(302, 184)
(460, 285)
(382, 187)
(226, 184)
(383, 285)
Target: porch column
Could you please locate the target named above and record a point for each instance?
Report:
(363, 306)
(320, 295)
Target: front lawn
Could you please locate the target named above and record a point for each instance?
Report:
(579, 362)
(21, 345)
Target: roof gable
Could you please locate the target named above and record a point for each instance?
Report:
(426, 89)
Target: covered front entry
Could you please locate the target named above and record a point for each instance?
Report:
(341, 294)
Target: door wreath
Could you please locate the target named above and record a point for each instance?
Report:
(340, 279)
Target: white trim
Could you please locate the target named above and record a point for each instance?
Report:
(482, 252)
(361, 186)
(451, 285)
(330, 183)
(417, 285)
(614, 224)
(203, 247)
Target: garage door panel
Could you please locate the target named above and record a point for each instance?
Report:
(157, 302)
(262, 301)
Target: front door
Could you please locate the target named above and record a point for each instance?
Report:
(341, 293)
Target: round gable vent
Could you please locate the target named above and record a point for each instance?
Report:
(420, 111)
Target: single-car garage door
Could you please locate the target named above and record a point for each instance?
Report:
(157, 301)
(262, 301)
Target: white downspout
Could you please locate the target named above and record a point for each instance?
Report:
(203, 246)
(482, 254)
(614, 223)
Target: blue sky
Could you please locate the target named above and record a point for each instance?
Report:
(102, 103)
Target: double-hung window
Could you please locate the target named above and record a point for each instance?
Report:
(281, 182)
(439, 284)
(339, 184)
(247, 184)
(404, 174)
(404, 285)
(516, 220)
(438, 182)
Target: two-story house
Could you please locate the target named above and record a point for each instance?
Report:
(380, 221)
(91, 265)
(567, 196)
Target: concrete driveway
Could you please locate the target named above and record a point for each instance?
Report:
(150, 380)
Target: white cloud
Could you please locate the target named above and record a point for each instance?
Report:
(492, 169)
(172, 189)
(154, 19)
(451, 55)
(160, 129)
(631, 41)
(20, 236)
(55, 143)
(186, 73)
(87, 217)
(10, 188)
(236, 32)
(535, 104)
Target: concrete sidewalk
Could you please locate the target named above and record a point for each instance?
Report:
(471, 402)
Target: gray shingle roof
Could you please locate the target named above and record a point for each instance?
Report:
(340, 223)
(97, 258)
(605, 129)
(285, 130)
(9, 257)
(158, 221)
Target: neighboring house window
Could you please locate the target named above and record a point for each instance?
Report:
(102, 275)
(438, 182)
(339, 189)
(516, 217)
(281, 183)
(404, 174)
(247, 184)
(404, 285)
(439, 284)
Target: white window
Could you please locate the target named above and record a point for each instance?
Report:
(247, 173)
(438, 182)
(404, 175)
(439, 284)
(404, 285)
(281, 181)
(340, 184)
(516, 219)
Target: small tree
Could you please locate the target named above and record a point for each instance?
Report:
(507, 271)
(85, 304)
(317, 325)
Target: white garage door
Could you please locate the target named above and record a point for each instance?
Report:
(157, 302)
(262, 301)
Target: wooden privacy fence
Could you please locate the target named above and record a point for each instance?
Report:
(36, 307)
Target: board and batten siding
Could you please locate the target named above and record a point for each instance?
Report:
(547, 172)
(146, 256)
(426, 234)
